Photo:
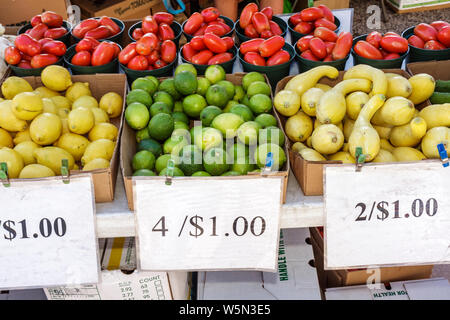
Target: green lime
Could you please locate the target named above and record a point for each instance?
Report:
(201, 174)
(209, 138)
(168, 85)
(185, 67)
(215, 73)
(266, 120)
(145, 84)
(142, 134)
(155, 81)
(137, 115)
(193, 105)
(215, 162)
(162, 161)
(242, 165)
(139, 95)
(151, 145)
(260, 103)
(160, 126)
(173, 145)
(176, 172)
(271, 135)
(227, 123)
(245, 101)
(231, 173)
(180, 116)
(186, 83)
(229, 87)
(203, 85)
(162, 96)
(243, 111)
(238, 150)
(251, 77)
(159, 107)
(230, 105)
(143, 159)
(216, 95)
(195, 131)
(178, 106)
(258, 87)
(190, 160)
(208, 114)
(248, 133)
(279, 157)
(180, 125)
(239, 93)
(144, 172)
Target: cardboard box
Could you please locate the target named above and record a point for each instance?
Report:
(128, 149)
(104, 179)
(405, 6)
(349, 277)
(439, 70)
(296, 278)
(21, 11)
(332, 4)
(309, 174)
(430, 289)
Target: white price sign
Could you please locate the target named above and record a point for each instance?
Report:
(387, 214)
(47, 233)
(208, 224)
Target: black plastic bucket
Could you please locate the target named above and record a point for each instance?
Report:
(23, 72)
(380, 64)
(227, 20)
(176, 27)
(115, 38)
(112, 67)
(166, 71)
(65, 38)
(297, 35)
(418, 54)
(201, 68)
(242, 37)
(306, 64)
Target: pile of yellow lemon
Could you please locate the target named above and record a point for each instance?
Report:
(58, 120)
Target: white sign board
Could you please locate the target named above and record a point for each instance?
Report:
(208, 224)
(47, 233)
(386, 214)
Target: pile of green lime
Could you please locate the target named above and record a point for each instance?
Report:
(203, 126)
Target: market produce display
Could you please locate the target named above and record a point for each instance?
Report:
(59, 120)
(207, 21)
(265, 52)
(91, 52)
(233, 128)
(367, 109)
(433, 36)
(309, 19)
(97, 28)
(381, 47)
(258, 24)
(208, 49)
(158, 24)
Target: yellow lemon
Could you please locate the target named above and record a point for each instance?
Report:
(52, 157)
(22, 136)
(85, 101)
(104, 131)
(26, 150)
(13, 161)
(77, 90)
(98, 163)
(36, 171)
(27, 105)
(64, 126)
(100, 115)
(5, 139)
(15, 85)
(111, 102)
(45, 129)
(8, 119)
(102, 148)
(56, 78)
(49, 106)
(74, 144)
(44, 92)
(61, 102)
(81, 120)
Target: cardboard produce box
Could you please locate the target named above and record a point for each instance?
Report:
(439, 70)
(128, 149)
(350, 277)
(21, 11)
(405, 6)
(104, 179)
(295, 279)
(309, 174)
(430, 289)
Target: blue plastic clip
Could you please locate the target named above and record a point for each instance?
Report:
(443, 154)
(269, 163)
(171, 10)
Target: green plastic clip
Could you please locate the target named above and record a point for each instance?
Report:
(170, 172)
(65, 171)
(4, 174)
(360, 158)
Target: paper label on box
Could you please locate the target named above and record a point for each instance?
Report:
(386, 214)
(208, 224)
(47, 233)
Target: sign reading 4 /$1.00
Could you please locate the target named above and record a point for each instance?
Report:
(208, 224)
(47, 233)
(387, 214)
